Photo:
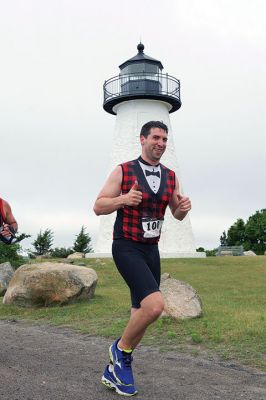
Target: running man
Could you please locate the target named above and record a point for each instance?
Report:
(139, 191)
(8, 224)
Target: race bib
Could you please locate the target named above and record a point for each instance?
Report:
(151, 227)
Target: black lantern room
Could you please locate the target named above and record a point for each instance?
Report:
(141, 77)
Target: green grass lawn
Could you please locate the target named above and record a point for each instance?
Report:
(233, 292)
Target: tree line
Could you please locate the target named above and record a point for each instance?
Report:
(44, 242)
(251, 234)
(43, 245)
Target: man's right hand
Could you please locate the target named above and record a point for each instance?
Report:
(134, 196)
(6, 231)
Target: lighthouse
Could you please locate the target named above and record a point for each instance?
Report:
(141, 93)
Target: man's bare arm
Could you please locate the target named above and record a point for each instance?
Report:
(9, 219)
(110, 198)
(179, 205)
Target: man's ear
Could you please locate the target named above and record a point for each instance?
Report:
(142, 138)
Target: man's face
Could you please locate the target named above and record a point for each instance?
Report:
(154, 145)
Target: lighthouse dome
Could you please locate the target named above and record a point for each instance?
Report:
(141, 62)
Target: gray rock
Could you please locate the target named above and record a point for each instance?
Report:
(66, 261)
(249, 253)
(6, 273)
(181, 300)
(49, 283)
(165, 276)
(76, 255)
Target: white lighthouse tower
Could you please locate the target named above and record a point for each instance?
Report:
(142, 93)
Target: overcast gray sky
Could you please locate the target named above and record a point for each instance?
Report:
(56, 138)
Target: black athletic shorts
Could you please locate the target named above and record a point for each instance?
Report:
(139, 265)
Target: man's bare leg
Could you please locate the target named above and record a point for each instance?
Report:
(151, 308)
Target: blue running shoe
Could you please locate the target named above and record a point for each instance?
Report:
(108, 379)
(121, 361)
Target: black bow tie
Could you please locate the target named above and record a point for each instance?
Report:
(148, 173)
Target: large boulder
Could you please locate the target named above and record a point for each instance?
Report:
(6, 273)
(46, 284)
(181, 300)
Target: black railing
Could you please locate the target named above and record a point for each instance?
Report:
(145, 84)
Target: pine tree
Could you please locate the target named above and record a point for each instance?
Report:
(82, 242)
(43, 243)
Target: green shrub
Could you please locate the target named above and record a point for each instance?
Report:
(211, 253)
(61, 252)
(10, 253)
(200, 249)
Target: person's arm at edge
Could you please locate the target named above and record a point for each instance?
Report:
(179, 205)
(9, 217)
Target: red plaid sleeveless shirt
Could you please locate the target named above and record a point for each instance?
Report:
(129, 220)
(2, 212)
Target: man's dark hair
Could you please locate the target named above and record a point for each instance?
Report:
(146, 129)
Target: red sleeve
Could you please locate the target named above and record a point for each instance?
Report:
(2, 210)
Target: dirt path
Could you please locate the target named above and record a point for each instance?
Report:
(47, 363)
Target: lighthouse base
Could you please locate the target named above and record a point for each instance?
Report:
(163, 254)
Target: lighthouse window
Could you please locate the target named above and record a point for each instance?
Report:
(151, 68)
(139, 68)
(136, 68)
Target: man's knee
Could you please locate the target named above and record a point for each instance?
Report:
(153, 305)
(157, 310)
